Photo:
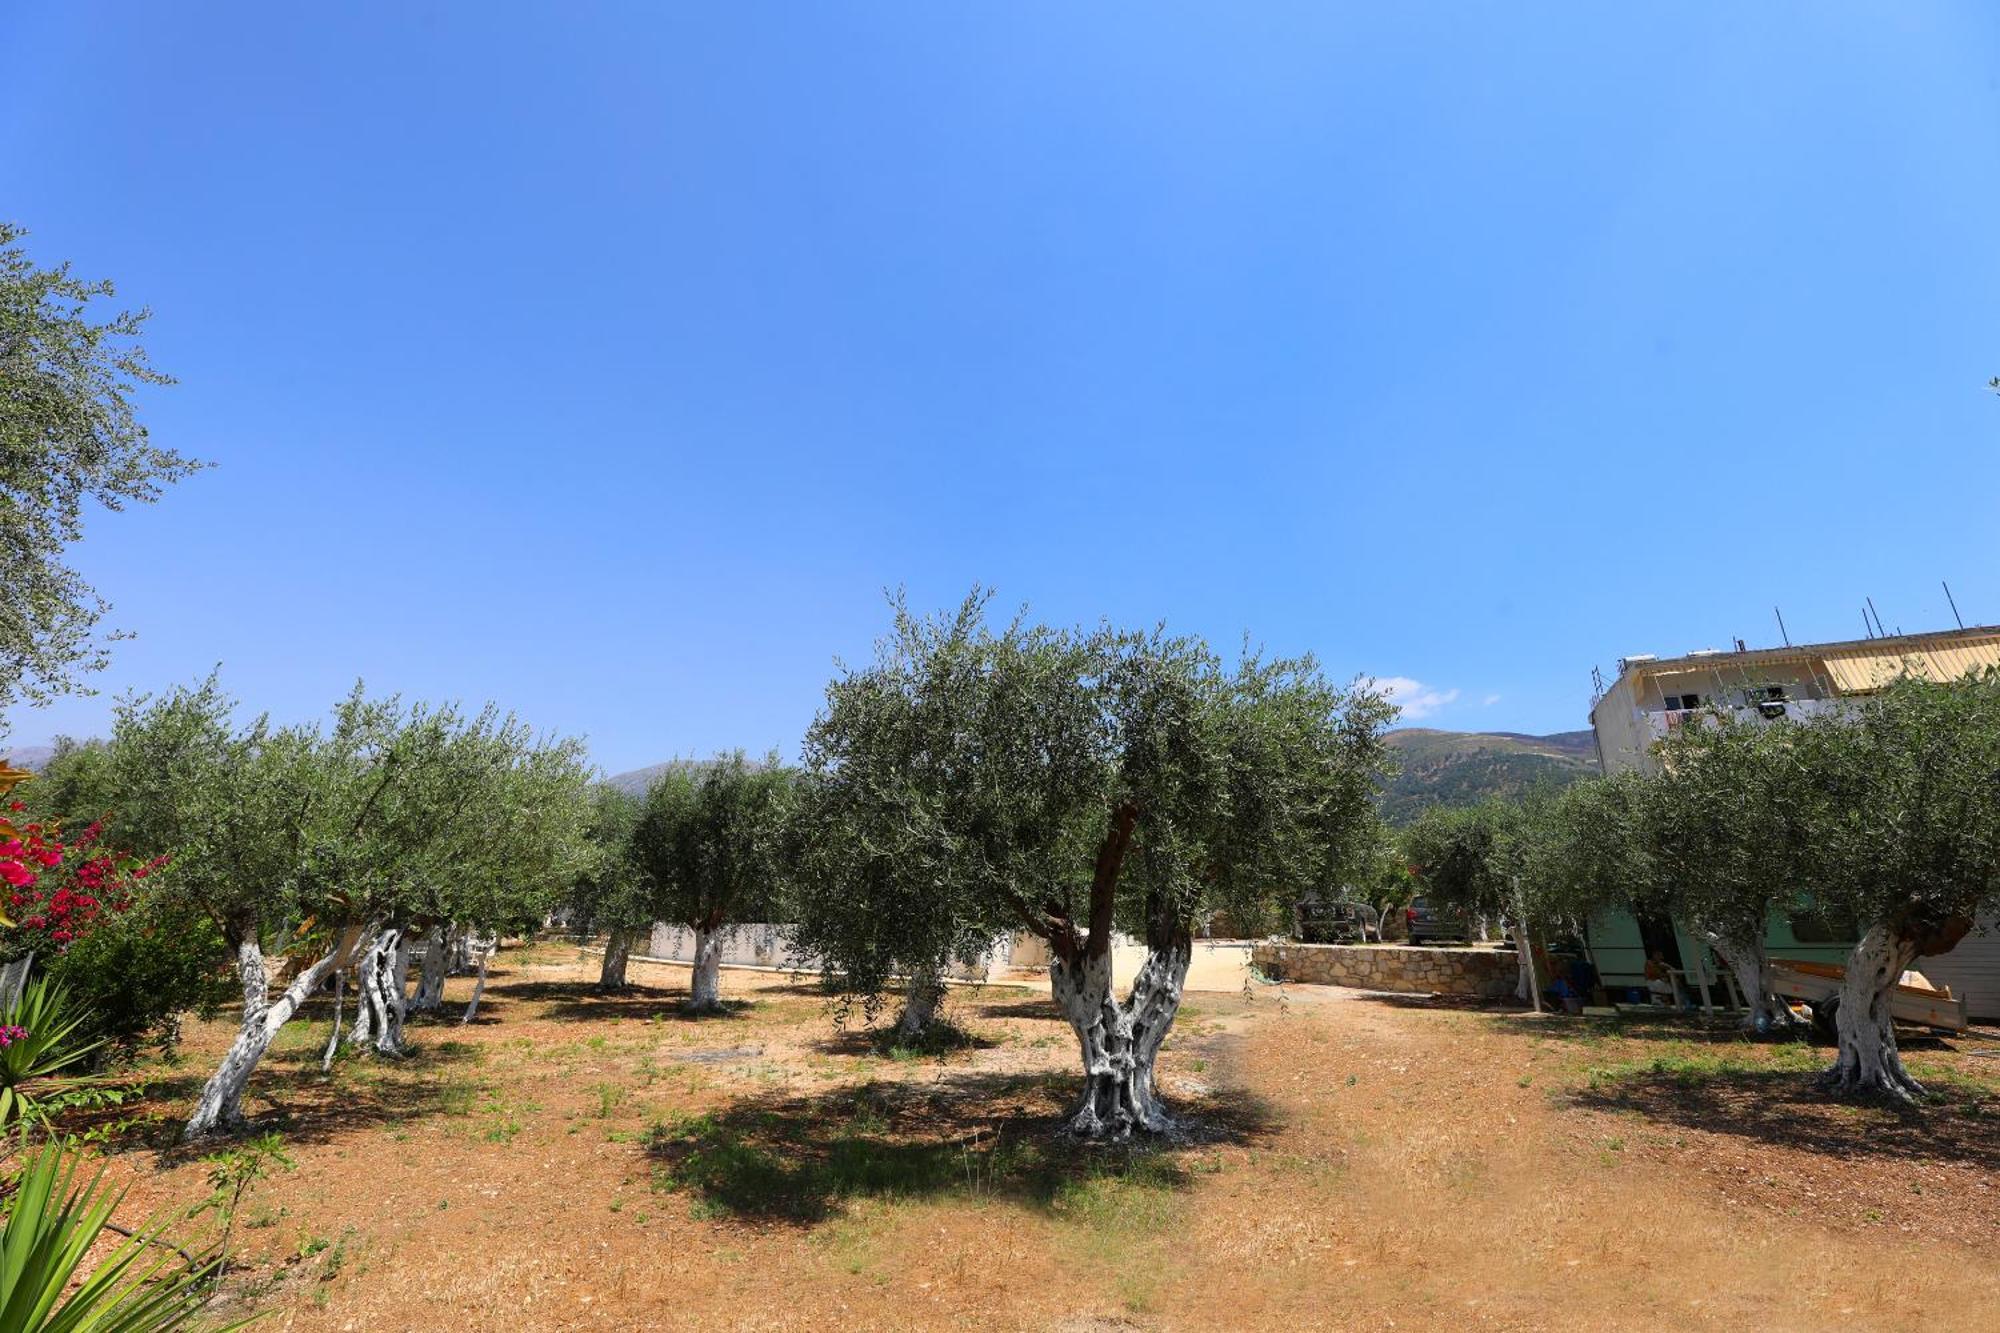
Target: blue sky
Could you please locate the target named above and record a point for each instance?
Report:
(609, 361)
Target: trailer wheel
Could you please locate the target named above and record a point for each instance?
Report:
(1824, 1015)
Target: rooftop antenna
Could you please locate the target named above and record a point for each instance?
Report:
(1954, 604)
(1878, 617)
(1782, 632)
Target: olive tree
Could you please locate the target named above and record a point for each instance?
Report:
(1584, 853)
(1493, 862)
(486, 824)
(69, 439)
(1906, 826)
(259, 820)
(889, 882)
(1464, 858)
(324, 845)
(710, 841)
(611, 890)
(1106, 780)
(1727, 834)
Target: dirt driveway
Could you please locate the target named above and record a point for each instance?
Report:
(575, 1161)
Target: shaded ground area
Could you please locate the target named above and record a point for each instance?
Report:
(578, 1161)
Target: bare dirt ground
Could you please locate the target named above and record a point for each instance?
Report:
(572, 1161)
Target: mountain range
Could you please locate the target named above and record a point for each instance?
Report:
(30, 757)
(1437, 767)
(1466, 767)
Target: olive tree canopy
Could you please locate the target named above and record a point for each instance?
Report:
(1905, 840)
(709, 842)
(69, 437)
(323, 841)
(1085, 783)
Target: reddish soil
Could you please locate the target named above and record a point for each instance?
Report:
(572, 1161)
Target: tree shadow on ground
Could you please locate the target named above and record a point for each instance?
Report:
(1042, 1007)
(1660, 1025)
(1463, 1003)
(1787, 1108)
(290, 1095)
(944, 1038)
(583, 1002)
(973, 1136)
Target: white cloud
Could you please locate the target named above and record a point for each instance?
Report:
(1417, 700)
(1489, 701)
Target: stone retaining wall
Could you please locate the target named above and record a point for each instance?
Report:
(1484, 974)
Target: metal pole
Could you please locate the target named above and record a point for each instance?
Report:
(1954, 603)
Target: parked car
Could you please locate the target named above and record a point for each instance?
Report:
(1320, 918)
(1427, 924)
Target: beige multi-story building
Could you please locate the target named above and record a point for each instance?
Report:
(1653, 697)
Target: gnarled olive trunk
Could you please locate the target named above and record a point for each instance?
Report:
(436, 967)
(458, 949)
(333, 1040)
(705, 980)
(220, 1106)
(1750, 963)
(920, 1005)
(479, 986)
(379, 999)
(1868, 1060)
(1120, 1041)
(617, 951)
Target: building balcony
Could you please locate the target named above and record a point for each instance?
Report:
(1664, 722)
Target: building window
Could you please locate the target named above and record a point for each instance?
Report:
(1678, 702)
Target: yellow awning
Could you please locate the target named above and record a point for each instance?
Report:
(1858, 671)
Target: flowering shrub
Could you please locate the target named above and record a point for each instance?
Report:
(11, 1033)
(57, 890)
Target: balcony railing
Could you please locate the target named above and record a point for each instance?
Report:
(1664, 722)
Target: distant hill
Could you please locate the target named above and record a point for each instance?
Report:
(30, 757)
(1438, 767)
(636, 782)
(1466, 767)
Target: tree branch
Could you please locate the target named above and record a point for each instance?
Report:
(1104, 879)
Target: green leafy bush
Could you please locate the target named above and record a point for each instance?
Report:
(139, 973)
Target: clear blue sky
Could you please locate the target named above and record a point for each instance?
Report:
(609, 361)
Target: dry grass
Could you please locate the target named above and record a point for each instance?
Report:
(577, 1161)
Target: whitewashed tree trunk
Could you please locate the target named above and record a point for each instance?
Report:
(379, 999)
(395, 996)
(1868, 1060)
(705, 978)
(13, 980)
(920, 1006)
(479, 986)
(617, 951)
(458, 949)
(367, 993)
(1527, 985)
(333, 1041)
(1120, 1041)
(437, 966)
(220, 1106)
(1749, 962)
